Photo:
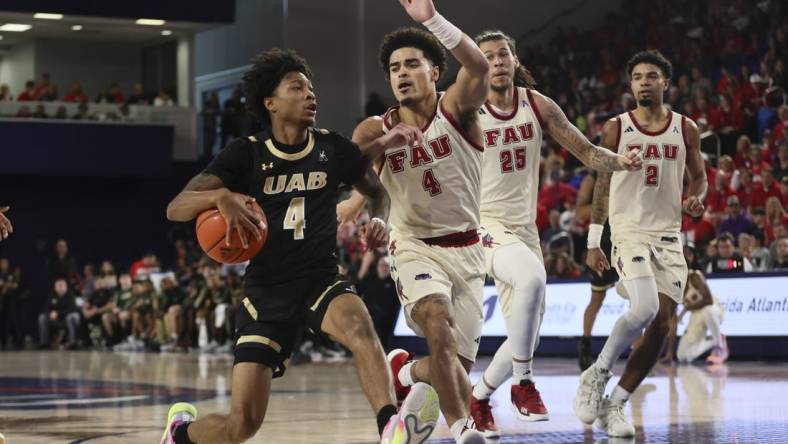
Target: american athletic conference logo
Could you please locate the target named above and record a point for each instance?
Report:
(56, 393)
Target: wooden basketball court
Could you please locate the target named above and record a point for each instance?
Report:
(101, 397)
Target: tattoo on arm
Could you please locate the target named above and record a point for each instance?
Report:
(377, 197)
(600, 200)
(573, 140)
(204, 182)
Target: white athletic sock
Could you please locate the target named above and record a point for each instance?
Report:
(405, 376)
(644, 305)
(457, 427)
(496, 374)
(713, 321)
(619, 395)
(482, 389)
(519, 268)
(521, 371)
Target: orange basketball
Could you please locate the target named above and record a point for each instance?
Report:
(212, 229)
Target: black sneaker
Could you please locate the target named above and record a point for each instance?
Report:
(584, 353)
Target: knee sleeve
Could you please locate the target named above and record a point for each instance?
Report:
(644, 301)
(519, 267)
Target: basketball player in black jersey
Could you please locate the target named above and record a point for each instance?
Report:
(5, 225)
(293, 171)
(600, 281)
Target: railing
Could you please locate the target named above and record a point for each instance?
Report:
(184, 120)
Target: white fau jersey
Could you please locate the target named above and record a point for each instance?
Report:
(648, 202)
(512, 152)
(435, 187)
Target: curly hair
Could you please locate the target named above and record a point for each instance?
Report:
(268, 69)
(653, 57)
(522, 76)
(415, 38)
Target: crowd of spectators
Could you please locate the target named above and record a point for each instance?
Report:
(729, 76)
(36, 94)
(189, 305)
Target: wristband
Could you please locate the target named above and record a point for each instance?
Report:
(594, 235)
(449, 35)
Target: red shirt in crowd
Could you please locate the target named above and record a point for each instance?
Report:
(552, 196)
(27, 96)
(75, 97)
(760, 194)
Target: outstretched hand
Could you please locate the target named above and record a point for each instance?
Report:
(374, 234)
(419, 10)
(630, 161)
(5, 225)
(693, 206)
(597, 261)
(403, 134)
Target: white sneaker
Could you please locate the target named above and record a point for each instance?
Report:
(588, 400)
(416, 419)
(612, 420)
(471, 436)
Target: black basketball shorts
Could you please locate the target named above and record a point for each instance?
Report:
(272, 317)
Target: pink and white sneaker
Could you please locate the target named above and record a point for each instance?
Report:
(180, 413)
(416, 419)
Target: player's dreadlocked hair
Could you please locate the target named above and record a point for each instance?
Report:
(267, 71)
(415, 38)
(653, 57)
(522, 77)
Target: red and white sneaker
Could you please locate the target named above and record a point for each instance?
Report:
(719, 354)
(527, 403)
(481, 413)
(397, 358)
(471, 436)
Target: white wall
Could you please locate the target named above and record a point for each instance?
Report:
(17, 67)
(94, 64)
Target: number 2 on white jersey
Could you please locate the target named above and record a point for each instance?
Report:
(295, 217)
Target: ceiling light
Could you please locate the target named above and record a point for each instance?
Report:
(151, 22)
(14, 27)
(48, 16)
(76, 28)
(166, 32)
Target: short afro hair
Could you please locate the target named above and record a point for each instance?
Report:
(414, 38)
(653, 57)
(268, 69)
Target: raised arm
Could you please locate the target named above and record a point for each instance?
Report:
(469, 92)
(696, 170)
(596, 259)
(601, 159)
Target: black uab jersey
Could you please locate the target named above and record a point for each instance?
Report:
(297, 188)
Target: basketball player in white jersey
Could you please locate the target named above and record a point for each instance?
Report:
(514, 119)
(706, 315)
(434, 180)
(645, 221)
